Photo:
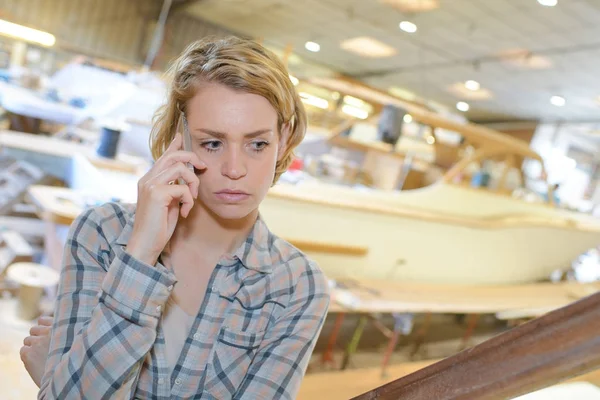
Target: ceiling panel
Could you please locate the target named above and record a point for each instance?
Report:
(460, 40)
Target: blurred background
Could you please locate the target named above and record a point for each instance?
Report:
(452, 148)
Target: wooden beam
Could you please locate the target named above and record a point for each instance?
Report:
(329, 248)
(560, 345)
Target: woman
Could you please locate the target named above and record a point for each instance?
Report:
(188, 294)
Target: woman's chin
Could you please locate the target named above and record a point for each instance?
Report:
(231, 211)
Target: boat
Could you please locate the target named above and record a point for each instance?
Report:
(447, 232)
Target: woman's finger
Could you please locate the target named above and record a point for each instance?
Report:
(183, 157)
(175, 172)
(175, 144)
(45, 320)
(40, 330)
(174, 194)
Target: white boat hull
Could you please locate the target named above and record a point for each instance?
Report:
(409, 248)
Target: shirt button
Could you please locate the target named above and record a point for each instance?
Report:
(196, 336)
(161, 381)
(170, 288)
(158, 309)
(178, 381)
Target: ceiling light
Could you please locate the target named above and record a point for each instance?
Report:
(294, 80)
(462, 106)
(335, 95)
(368, 47)
(548, 3)
(430, 139)
(312, 46)
(558, 101)
(472, 85)
(412, 6)
(354, 112)
(314, 100)
(407, 118)
(407, 26)
(25, 33)
(461, 90)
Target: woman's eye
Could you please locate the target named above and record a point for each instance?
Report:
(212, 145)
(259, 145)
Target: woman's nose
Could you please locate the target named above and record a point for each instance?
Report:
(233, 165)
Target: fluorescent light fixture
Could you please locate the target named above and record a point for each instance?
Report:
(408, 26)
(314, 100)
(368, 47)
(462, 106)
(472, 85)
(407, 118)
(558, 101)
(312, 46)
(27, 34)
(354, 112)
(548, 3)
(353, 101)
(294, 80)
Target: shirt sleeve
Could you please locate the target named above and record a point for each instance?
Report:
(282, 358)
(105, 317)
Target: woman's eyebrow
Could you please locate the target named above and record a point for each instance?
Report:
(222, 135)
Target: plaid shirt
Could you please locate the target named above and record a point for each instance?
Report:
(252, 338)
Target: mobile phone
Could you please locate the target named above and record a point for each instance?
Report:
(187, 144)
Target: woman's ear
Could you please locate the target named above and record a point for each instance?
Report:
(284, 135)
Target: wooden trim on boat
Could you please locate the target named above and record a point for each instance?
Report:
(550, 349)
(329, 248)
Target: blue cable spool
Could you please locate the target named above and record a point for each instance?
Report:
(109, 140)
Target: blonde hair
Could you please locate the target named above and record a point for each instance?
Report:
(241, 65)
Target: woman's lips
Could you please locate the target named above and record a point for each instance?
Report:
(232, 196)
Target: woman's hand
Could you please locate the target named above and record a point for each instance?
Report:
(35, 349)
(161, 200)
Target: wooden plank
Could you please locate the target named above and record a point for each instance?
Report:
(343, 385)
(550, 349)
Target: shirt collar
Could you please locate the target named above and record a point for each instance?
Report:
(253, 253)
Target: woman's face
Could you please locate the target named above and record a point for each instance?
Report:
(235, 134)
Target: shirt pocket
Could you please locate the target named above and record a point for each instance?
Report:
(232, 355)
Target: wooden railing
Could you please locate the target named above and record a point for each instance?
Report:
(555, 347)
